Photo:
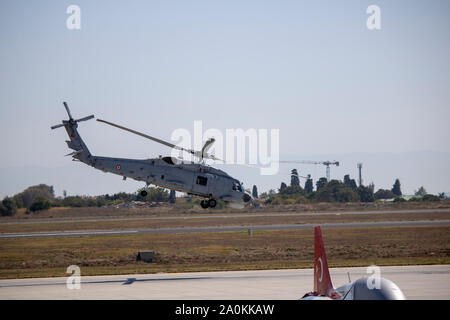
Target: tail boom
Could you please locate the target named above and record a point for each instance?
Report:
(76, 143)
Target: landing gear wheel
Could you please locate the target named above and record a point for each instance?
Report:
(212, 203)
(143, 193)
(204, 204)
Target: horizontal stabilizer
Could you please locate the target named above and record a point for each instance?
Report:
(74, 153)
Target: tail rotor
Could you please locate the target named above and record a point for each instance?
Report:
(67, 109)
(71, 121)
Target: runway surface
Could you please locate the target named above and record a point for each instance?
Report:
(227, 228)
(216, 216)
(416, 282)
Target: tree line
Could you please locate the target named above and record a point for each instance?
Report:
(42, 197)
(337, 191)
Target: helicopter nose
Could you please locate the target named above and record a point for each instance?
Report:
(246, 197)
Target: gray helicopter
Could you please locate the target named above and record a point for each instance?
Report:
(167, 172)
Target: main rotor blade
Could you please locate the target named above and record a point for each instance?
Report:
(201, 155)
(212, 157)
(147, 136)
(208, 144)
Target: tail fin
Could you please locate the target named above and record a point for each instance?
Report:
(76, 143)
(322, 279)
(81, 152)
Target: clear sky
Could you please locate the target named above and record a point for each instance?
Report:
(309, 68)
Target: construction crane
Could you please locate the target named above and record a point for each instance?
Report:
(325, 163)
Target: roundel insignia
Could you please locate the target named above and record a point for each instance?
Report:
(118, 167)
(321, 269)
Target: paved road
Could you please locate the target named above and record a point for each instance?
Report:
(8, 221)
(226, 229)
(416, 282)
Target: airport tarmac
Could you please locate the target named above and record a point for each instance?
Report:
(9, 220)
(416, 282)
(421, 223)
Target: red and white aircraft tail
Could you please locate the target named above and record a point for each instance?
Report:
(357, 290)
(322, 279)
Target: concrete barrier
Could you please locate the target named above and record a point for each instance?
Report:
(146, 256)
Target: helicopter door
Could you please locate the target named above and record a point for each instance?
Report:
(219, 186)
(202, 183)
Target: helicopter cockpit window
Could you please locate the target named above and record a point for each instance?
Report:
(237, 186)
(202, 180)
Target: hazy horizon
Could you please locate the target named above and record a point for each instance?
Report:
(84, 180)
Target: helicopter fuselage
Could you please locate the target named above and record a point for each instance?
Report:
(191, 178)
